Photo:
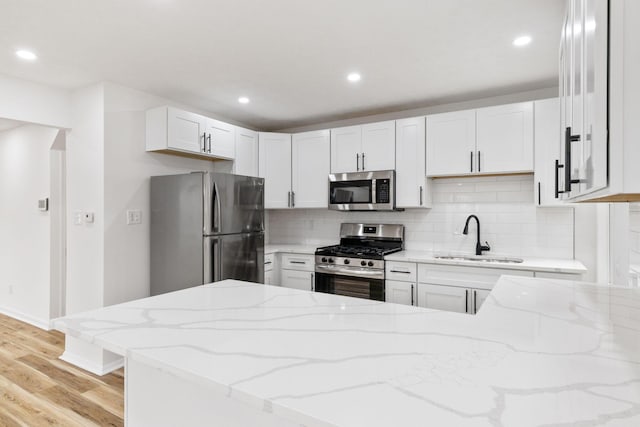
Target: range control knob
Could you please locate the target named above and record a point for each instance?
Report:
(363, 263)
(330, 260)
(370, 263)
(346, 261)
(324, 260)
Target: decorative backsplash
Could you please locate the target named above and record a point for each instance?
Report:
(510, 221)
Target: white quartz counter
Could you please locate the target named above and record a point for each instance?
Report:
(291, 249)
(567, 266)
(539, 352)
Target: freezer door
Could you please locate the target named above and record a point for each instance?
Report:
(234, 256)
(176, 232)
(234, 204)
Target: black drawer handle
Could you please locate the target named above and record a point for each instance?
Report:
(297, 262)
(397, 271)
(268, 262)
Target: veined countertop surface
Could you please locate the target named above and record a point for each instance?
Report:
(539, 352)
(292, 249)
(550, 265)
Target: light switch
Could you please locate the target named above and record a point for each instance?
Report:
(77, 218)
(134, 217)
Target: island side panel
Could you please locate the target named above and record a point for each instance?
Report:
(157, 398)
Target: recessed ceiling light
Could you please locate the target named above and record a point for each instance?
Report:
(243, 100)
(522, 41)
(26, 54)
(354, 77)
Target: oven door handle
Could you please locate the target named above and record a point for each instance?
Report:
(356, 272)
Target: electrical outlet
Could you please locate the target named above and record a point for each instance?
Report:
(88, 217)
(134, 217)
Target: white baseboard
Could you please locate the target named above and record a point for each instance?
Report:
(27, 318)
(91, 366)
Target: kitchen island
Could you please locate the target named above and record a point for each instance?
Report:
(232, 353)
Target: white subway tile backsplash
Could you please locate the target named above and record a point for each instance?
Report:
(510, 221)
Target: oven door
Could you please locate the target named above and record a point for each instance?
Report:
(350, 286)
(362, 191)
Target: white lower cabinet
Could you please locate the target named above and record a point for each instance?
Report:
(447, 298)
(297, 271)
(400, 292)
(303, 280)
(269, 269)
(479, 296)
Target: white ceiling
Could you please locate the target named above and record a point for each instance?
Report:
(6, 124)
(290, 57)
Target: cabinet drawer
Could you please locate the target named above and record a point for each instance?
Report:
(298, 262)
(269, 260)
(466, 277)
(400, 271)
(303, 280)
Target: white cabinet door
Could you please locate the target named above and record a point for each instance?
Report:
(479, 296)
(346, 149)
(399, 292)
(547, 135)
(295, 279)
(411, 184)
(447, 298)
(246, 159)
(504, 138)
(275, 167)
(378, 146)
(186, 131)
(220, 139)
(310, 168)
(451, 143)
(268, 277)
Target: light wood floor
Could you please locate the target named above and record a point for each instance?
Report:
(38, 389)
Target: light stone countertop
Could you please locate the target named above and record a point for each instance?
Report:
(550, 265)
(291, 249)
(539, 352)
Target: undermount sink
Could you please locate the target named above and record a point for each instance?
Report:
(505, 260)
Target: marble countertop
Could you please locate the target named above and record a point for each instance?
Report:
(550, 265)
(292, 249)
(539, 352)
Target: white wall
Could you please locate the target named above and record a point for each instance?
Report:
(34, 103)
(510, 221)
(127, 170)
(25, 230)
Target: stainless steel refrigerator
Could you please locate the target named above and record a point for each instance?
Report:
(205, 227)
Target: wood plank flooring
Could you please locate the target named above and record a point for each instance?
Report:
(37, 389)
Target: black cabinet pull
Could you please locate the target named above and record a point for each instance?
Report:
(557, 185)
(204, 142)
(471, 163)
(539, 195)
(568, 139)
(362, 161)
(479, 165)
(466, 300)
(398, 271)
(412, 295)
(421, 195)
(209, 139)
(357, 161)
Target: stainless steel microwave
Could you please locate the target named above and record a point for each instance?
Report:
(362, 191)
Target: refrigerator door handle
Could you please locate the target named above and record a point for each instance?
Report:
(216, 217)
(212, 258)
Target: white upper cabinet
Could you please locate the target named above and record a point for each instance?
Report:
(310, 168)
(547, 151)
(363, 148)
(451, 143)
(275, 167)
(220, 139)
(504, 139)
(411, 182)
(170, 129)
(246, 159)
(378, 146)
(346, 149)
(588, 116)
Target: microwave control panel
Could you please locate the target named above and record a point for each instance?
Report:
(383, 190)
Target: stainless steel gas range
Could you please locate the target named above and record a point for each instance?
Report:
(355, 267)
